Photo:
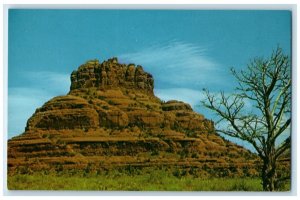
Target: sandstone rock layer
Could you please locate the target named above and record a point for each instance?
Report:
(112, 119)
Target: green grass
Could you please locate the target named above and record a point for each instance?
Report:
(157, 180)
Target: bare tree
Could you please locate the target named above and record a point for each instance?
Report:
(266, 86)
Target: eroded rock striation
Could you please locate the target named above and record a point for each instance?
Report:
(111, 74)
(111, 119)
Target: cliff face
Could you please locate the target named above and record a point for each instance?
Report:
(111, 118)
(113, 95)
(111, 74)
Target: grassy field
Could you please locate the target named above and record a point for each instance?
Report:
(151, 181)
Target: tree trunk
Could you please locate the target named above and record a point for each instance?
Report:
(269, 175)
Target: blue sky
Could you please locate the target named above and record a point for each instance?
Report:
(185, 50)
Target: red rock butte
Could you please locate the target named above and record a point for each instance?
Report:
(111, 119)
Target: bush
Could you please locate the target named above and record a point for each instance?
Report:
(110, 102)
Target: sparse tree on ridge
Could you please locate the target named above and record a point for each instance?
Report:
(266, 83)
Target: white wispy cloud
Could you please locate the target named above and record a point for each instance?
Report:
(22, 101)
(52, 82)
(178, 64)
(190, 96)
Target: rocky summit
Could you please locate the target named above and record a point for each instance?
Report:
(111, 119)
